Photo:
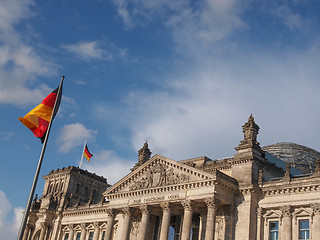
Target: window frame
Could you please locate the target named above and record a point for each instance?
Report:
(78, 234)
(271, 232)
(66, 234)
(90, 235)
(305, 230)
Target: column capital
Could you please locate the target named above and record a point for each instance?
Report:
(259, 211)
(286, 211)
(83, 226)
(316, 208)
(165, 206)
(110, 212)
(187, 204)
(126, 211)
(145, 209)
(43, 225)
(211, 202)
(96, 224)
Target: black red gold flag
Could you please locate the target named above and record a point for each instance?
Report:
(37, 120)
(86, 153)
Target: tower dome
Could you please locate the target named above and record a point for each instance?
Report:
(300, 157)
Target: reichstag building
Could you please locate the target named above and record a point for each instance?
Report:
(265, 193)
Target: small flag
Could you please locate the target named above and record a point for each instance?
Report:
(37, 120)
(86, 153)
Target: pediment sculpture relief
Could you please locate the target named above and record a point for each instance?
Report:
(159, 175)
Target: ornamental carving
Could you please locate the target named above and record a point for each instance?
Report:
(187, 204)
(316, 208)
(126, 211)
(165, 206)
(134, 230)
(96, 224)
(259, 212)
(286, 211)
(159, 175)
(110, 213)
(145, 209)
(211, 202)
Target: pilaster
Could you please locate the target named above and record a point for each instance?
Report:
(286, 228)
(315, 229)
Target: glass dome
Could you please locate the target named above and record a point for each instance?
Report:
(300, 157)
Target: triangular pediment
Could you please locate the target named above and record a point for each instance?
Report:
(157, 172)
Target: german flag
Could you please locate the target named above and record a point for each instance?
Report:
(86, 153)
(37, 120)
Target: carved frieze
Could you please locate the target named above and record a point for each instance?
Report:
(160, 175)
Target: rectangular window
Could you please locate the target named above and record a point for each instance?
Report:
(90, 236)
(78, 236)
(273, 230)
(103, 235)
(304, 231)
(66, 236)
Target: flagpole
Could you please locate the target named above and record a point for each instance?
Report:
(36, 176)
(84, 146)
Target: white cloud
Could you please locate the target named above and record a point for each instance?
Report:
(87, 51)
(9, 226)
(74, 135)
(201, 111)
(193, 26)
(20, 63)
(290, 19)
(107, 164)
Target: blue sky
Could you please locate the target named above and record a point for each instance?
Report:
(183, 75)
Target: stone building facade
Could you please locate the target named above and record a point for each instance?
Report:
(244, 197)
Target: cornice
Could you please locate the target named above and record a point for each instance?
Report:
(296, 185)
(86, 211)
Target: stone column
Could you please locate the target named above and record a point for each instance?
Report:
(26, 232)
(83, 231)
(187, 219)
(203, 220)
(286, 229)
(71, 233)
(96, 231)
(43, 231)
(144, 222)
(231, 230)
(165, 224)
(315, 227)
(259, 224)
(126, 223)
(211, 217)
(109, 227)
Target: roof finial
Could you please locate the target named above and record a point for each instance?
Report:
(250, 130)
(144, 155)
